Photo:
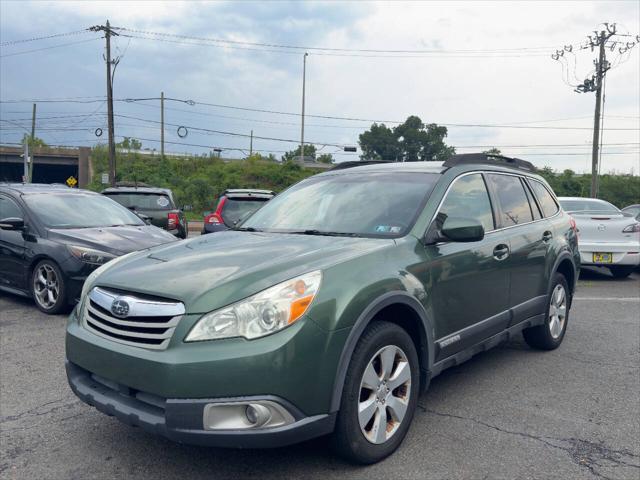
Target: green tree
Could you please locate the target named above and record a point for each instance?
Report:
(34, 141)
(493, 151)
(410, 141)
(309, 153)
(325, 158)
(130, 143)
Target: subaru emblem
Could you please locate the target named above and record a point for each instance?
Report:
(120, 308)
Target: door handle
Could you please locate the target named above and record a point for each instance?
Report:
(546, 236)
(501, 252)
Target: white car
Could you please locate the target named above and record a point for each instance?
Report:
(607, 237)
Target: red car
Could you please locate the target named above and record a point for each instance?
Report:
(234, 205)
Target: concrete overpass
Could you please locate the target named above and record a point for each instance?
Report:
(51, 165)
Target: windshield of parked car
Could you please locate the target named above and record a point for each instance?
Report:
(236, 208)
(354, 203)
(588, 205)
(141, 201)
(78, 210)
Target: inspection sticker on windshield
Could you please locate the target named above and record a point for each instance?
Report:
(162, 201)
(387, 229)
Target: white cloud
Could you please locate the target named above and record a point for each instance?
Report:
(504, 88)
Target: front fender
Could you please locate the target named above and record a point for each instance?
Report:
(375, 307)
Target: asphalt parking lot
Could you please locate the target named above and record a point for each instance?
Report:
(508, 413)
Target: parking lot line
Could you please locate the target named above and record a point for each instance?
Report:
(621, 299)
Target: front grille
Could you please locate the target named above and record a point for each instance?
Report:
(147, 323)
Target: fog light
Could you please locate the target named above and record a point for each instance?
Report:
(245, 415)
(257, 414)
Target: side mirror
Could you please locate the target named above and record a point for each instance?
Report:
(12, 223)
(460, 229)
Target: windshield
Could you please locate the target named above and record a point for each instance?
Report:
(362, 204)
(77, 210)
(236, 208)
(588, 205)
(141, 201)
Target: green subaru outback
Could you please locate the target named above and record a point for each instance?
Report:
(330, 309)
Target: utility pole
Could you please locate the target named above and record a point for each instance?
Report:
(162, 124)
(25, 171)
(251, 144)
(33, 137)
(108, 32)
(304, 78)
(600, 70)
(603, 41)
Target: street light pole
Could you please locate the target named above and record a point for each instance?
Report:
(304, 78)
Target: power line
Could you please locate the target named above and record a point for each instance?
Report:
(423, 54)
(296, 114)
(48, 48)
(46, 37)
(353, 119)
(303, 48)
(59, 100)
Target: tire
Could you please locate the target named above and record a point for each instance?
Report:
(550, 334)
(48, 288)
(368, 444)
(621, 271)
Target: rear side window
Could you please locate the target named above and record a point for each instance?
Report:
(468, 198)
(142, 201)
(546, 201)
(8, 208)
(512, 199)
(534, 207)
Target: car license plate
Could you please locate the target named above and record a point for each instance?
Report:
(599, 257)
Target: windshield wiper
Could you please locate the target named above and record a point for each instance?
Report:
(246, 229)
(325, 234)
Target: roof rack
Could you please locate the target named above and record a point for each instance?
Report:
(490, 159)
(357, 163)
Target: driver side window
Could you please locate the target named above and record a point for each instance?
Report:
(468, 198)
(9, 209)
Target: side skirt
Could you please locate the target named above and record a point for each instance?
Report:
(15, 291)
(485, 345)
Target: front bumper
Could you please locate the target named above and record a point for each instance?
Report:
(623, 253)
(181, 420)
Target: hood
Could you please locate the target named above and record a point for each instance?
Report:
(214, 270)
(116, 240)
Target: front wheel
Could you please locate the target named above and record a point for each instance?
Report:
(621, 271)
(380, 395)
(549, 335)
(48, 287)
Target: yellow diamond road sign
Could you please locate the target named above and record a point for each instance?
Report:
(71, 181)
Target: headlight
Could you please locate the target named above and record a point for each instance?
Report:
(261, 314)
(90, 255)
(634, 227)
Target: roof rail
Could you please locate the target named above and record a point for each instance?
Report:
(489, 159)
(357, 163)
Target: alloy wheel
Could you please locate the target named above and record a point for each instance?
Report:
(384, 394)
(46, 286)
(557, 311)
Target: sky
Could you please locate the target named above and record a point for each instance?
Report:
(483, 69)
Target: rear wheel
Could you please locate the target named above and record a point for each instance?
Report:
(48, 287)
(380, 395)
(549, 335)
(621, 271)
